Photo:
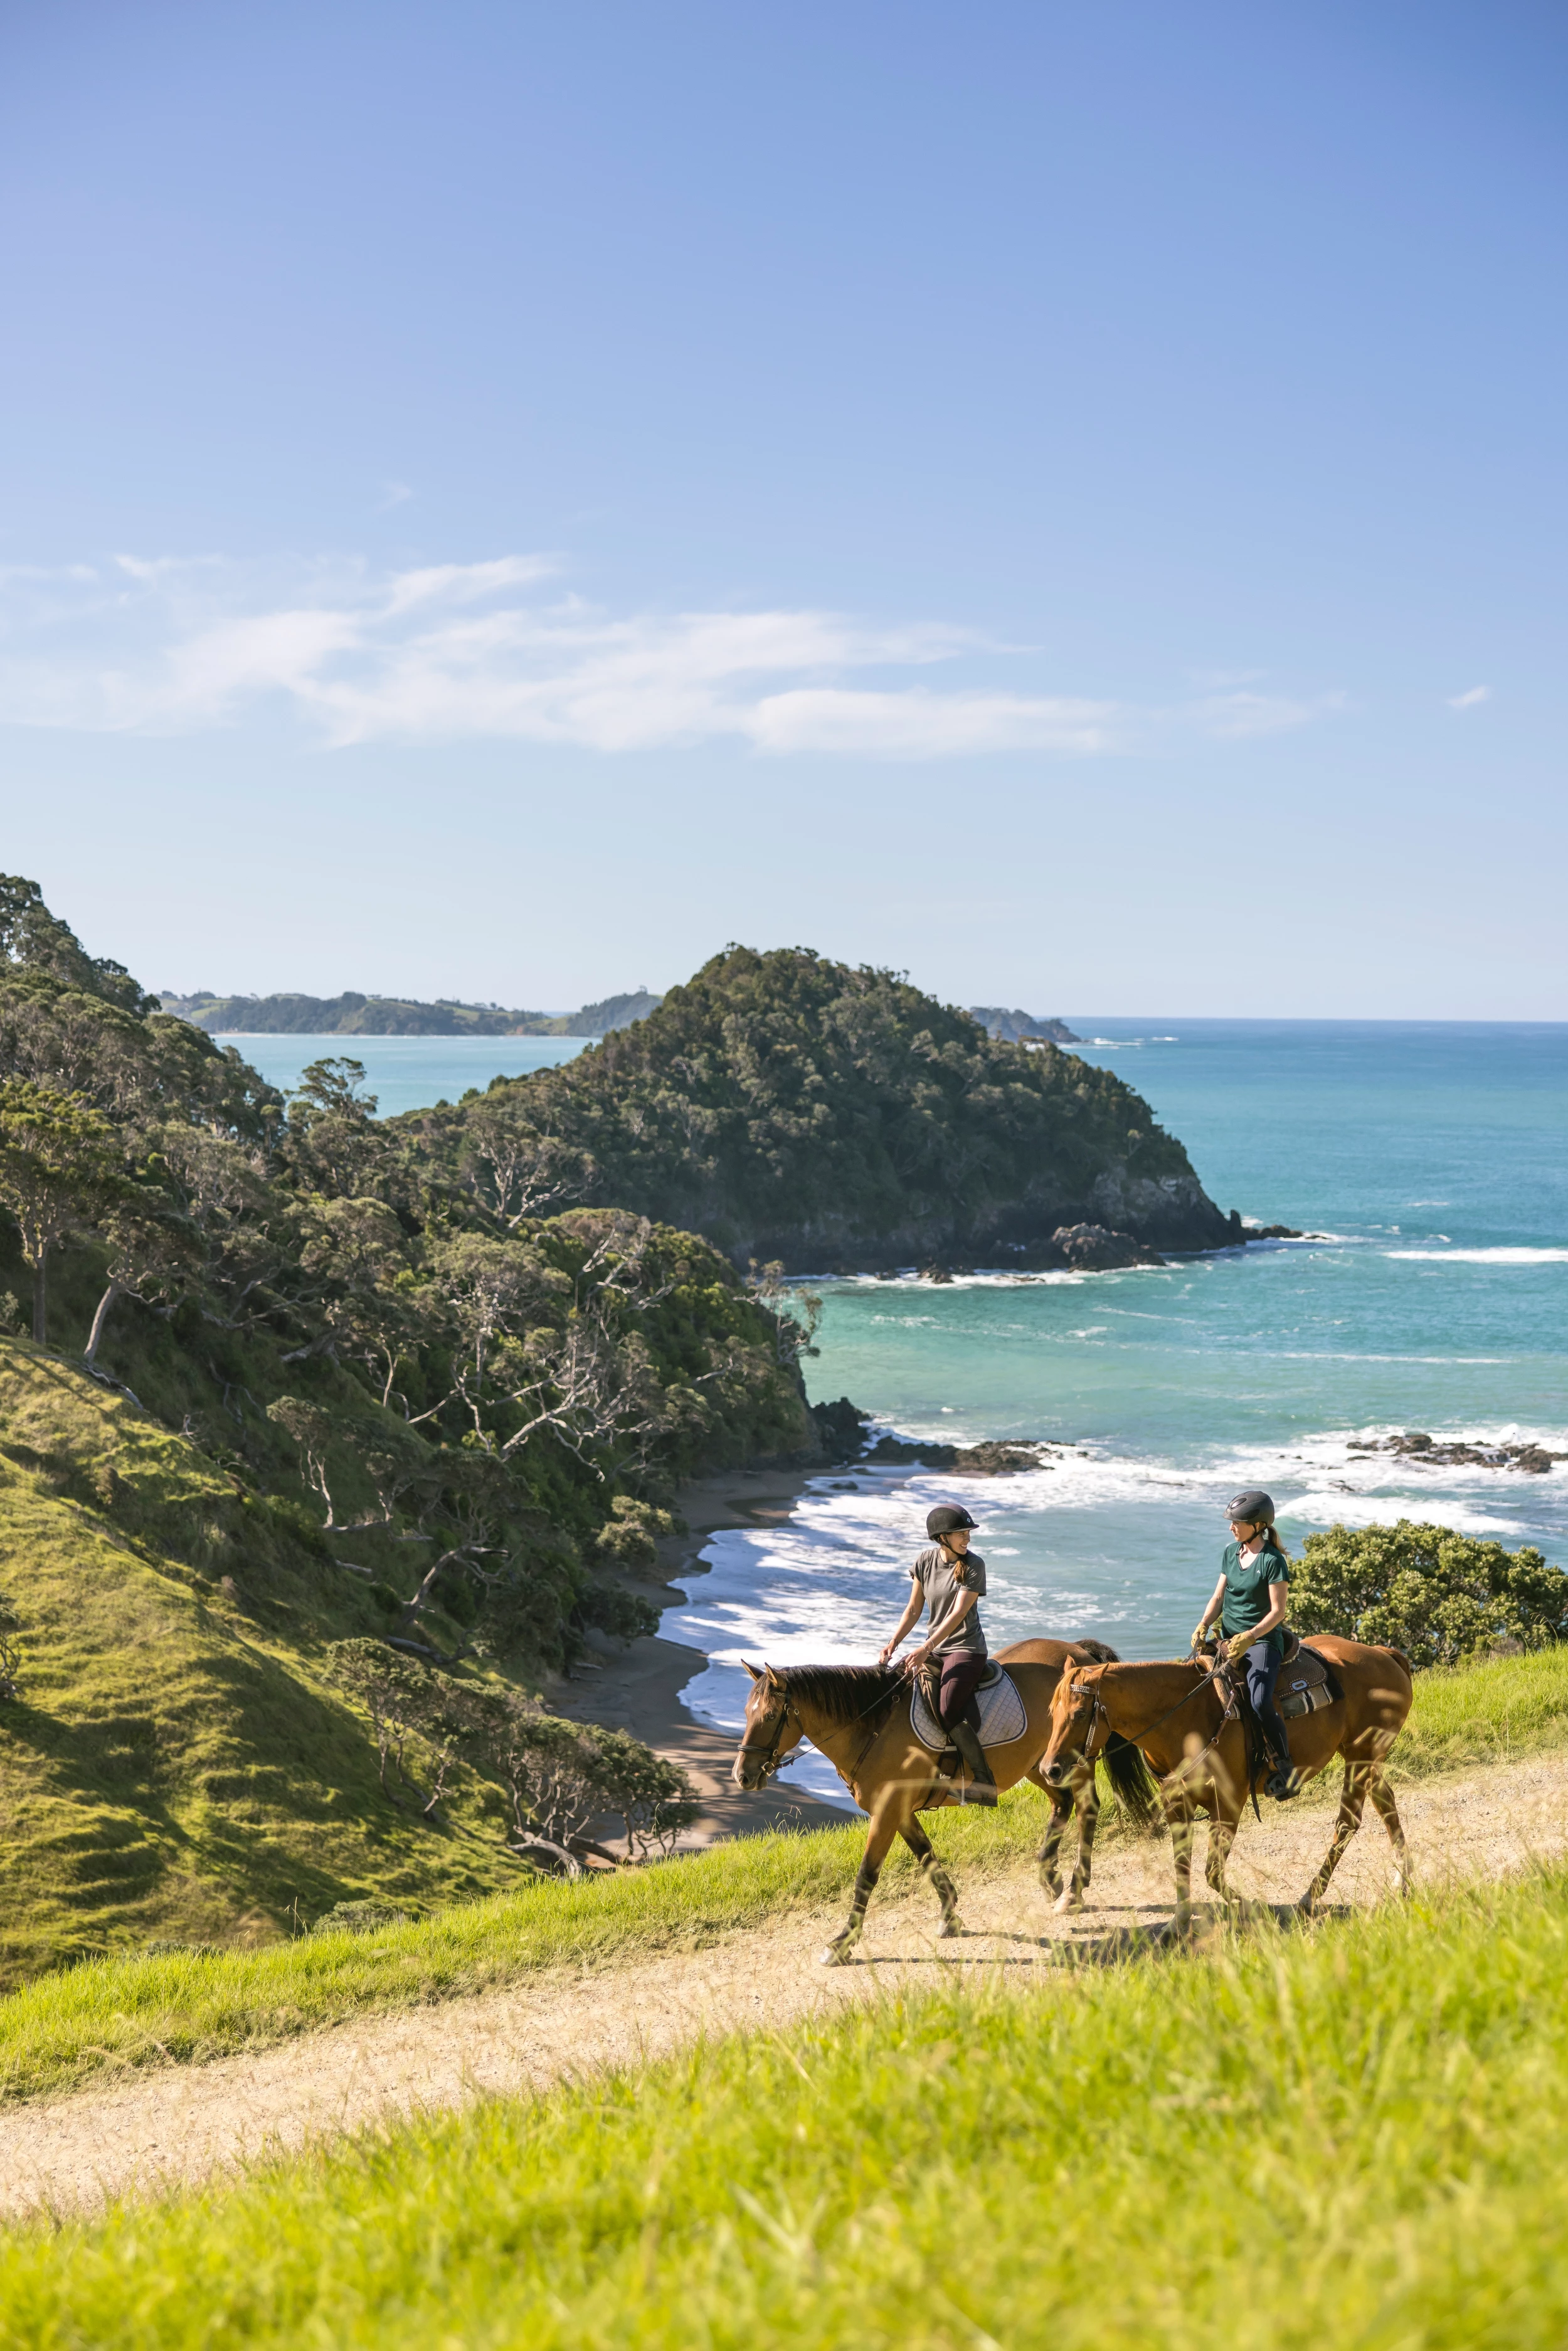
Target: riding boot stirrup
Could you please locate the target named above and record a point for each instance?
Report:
(982, 1787)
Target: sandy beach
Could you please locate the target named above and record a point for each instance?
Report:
(638, 1689)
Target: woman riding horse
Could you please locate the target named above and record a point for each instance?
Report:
(949, 1579)
(1251, 1601)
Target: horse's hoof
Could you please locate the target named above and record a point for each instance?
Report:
(949, 1928)
(839, 1955)
(1067, 1900)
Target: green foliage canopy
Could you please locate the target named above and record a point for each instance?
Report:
(1438, 1595)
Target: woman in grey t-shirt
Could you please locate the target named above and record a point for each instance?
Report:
(949, 1579)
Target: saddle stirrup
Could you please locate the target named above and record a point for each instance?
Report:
(968, 1742)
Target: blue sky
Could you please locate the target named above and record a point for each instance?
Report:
(499, 500)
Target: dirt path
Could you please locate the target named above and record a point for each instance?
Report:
(180, 2123)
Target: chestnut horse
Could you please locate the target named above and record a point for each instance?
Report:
(1173, 1714)
(859, 1717)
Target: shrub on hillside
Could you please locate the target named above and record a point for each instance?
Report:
(630, 1535)
(1438, 1595)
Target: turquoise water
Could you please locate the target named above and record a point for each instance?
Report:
(1429, 1164)
(409, 1072)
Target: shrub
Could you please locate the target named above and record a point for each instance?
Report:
(628, 1536)
(622, 1614)
(1438, 1595)
(651, 1797)
(359, 1918)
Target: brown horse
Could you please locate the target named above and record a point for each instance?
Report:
(1173, 1714)
(859, 1717)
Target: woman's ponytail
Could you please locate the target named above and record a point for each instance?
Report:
(958, 1559)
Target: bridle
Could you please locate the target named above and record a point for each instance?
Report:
(1097, 1707)
(768, 1757)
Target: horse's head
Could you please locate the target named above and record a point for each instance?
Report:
(773, 1729)
(1080, 1725)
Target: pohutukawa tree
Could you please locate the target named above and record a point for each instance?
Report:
(60, 1174)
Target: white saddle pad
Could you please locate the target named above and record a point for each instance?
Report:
(1002, 1716)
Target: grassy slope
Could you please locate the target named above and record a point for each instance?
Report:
(129, 2011)
(1355, 2137)
(175, 1766)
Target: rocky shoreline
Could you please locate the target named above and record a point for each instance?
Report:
(1418, 1447)
(1080, 1248)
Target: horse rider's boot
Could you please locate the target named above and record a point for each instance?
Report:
(1284, 1781)
(966, 1740)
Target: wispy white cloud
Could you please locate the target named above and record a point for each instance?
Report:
(1469, 701)
(451, 651)
(394, 494)
(1232, 717)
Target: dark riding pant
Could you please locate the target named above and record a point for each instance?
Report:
(1263, 1662)
(961, 1672)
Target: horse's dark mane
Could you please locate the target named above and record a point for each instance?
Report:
(845, 1693)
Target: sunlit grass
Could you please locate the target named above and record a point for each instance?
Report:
(1356, 2136)
(1494, 1713)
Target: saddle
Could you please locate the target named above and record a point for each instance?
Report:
(1002, 1716)
(1306, 1682)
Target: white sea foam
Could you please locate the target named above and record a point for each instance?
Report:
(1387, 1510)
(1483, 1256)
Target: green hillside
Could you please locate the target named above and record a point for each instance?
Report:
(796, 1109)
(176, 1765)
(287, 1387)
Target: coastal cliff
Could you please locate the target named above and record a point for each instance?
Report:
(829, 1116)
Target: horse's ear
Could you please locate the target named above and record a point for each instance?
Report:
(1068, 1670)
(755, 1671)
(774, 1681)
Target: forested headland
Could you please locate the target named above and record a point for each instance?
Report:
(825, 1115)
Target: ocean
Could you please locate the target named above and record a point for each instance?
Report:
(407, 1072)
(1425, 1162)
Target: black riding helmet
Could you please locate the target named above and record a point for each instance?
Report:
(1253, 1505)
(946, 1518)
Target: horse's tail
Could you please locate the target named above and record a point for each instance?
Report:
(1096, 1652)
(1137, 1792)
(1401, 1655)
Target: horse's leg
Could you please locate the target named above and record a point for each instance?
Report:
(1061, 1802)
(946, 1893)
(1086, 1797)
(1352, 1797)
(1179, 1811)
(1388, 1813)
(883, 1828)
(1222, 1828)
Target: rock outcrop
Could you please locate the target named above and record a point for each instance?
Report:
(1021, 1027)
(1460, 1453)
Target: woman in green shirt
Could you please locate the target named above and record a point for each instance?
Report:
(1251, 1601)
